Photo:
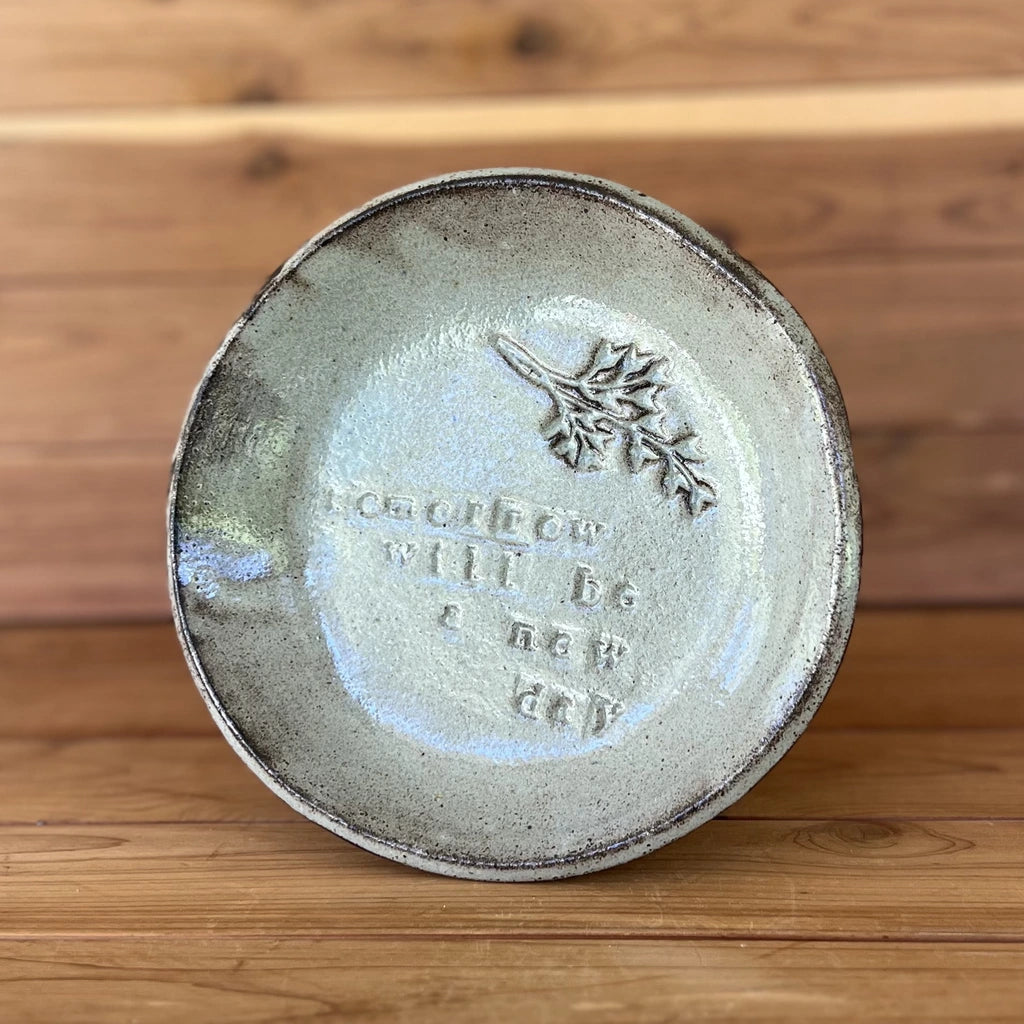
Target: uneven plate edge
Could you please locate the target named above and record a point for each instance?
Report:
(846, 560)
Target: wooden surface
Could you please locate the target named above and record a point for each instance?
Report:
(874, 874)
(158, 159)
(93, 53)
(124, 263)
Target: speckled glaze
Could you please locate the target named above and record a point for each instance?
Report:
(514, 530)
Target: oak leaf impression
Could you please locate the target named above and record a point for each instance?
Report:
(617, 395)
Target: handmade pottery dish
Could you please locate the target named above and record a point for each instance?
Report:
(514, 530)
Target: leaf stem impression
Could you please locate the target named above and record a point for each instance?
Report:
(618, 394)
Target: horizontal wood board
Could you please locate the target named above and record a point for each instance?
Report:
(158, 159)
(742, 879)
(242, 980)
(95, 210)
(873, 875)
(904, 669)
(108, 53)
(851, 774)
(904, 255)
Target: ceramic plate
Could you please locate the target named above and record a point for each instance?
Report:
(513, 529)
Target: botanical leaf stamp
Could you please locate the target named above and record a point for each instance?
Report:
(617, 395)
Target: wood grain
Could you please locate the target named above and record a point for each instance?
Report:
(891, 894)
(930, 669)
(829, 774)
(83, 536)
(244, 205)
(158, 159)
(907, 251)
(934, 533)
(90, 53)
(745, 879)
(894, 774)
(82, 532)
(911, 362)
(66, 682)
(909, 109)
(233, 979)
(903, 670)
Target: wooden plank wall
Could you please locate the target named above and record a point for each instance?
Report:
(158, 159)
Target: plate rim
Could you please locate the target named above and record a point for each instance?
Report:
(846, 560)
